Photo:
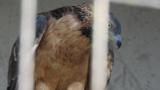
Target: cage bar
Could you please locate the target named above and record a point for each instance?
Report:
(99, 47)
(27, 35)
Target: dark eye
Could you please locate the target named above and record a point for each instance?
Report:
(109, 25)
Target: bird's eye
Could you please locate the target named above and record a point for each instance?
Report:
(109, 25)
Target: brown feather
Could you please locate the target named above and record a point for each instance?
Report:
(63, 55)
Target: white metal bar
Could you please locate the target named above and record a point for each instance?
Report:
(99, 48)
(27, 35)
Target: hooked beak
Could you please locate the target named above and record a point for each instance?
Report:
(119, 43)
(118, 39)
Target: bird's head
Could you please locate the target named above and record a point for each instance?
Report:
(114, 31)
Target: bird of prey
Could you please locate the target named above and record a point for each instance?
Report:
(62, 58)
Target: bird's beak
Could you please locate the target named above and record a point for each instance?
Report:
(118, 39)
(119, 43)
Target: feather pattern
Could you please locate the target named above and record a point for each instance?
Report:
(62, 58)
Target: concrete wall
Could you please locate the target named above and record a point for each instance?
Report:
(137, 62)
(145, 3)
(9, 24)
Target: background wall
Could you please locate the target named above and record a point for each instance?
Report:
(137, 62)
(9, 25)
(146, 3)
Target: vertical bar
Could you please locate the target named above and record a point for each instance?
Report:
(100, 45)
(27, 35)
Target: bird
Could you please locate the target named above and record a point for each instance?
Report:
(63, 53)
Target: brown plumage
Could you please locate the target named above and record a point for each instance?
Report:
(62, 59)
(63, 55)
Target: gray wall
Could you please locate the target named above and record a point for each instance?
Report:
(137, 62)
(9, 22)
